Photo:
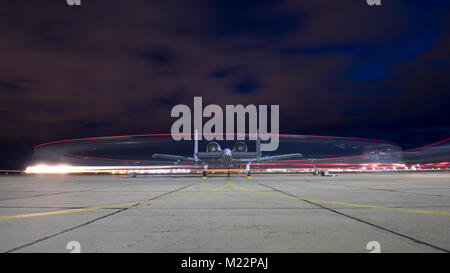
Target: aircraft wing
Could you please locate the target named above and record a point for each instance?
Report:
(173, 157)
(270, 158)
(280, 157)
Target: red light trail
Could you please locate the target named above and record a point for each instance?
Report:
(279, 163)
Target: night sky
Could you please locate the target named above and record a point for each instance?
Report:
(340, 68)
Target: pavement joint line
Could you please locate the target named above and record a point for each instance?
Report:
(228, 184)
(341, 203)
(66, 230)
(90, 222)
(240, 183)
(113, 206)
(365, 222)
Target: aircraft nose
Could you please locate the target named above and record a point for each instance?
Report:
(227, 152)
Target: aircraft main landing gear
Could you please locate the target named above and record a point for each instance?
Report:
(316, 172)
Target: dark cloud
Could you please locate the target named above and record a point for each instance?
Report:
(159, 55)
(247, 84)
(11, 86)
(263, 19)
(224, 72)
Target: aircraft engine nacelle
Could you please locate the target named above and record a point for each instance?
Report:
(240, 147)
(213, 147)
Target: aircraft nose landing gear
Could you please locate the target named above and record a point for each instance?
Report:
(205, 172)
(247, 169)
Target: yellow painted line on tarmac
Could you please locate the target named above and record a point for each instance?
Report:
(228, 183)
(27, 215)
(71, 210)
(341, 203)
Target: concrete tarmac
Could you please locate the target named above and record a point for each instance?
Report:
(402, 212)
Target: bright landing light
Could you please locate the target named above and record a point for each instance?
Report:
(66, 169)
(59, 169)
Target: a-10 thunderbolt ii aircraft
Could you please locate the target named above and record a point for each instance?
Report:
(226, 157)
